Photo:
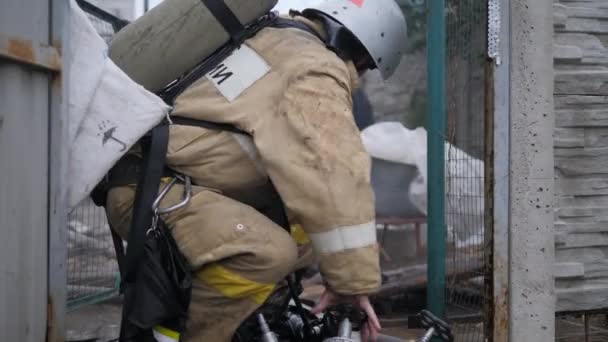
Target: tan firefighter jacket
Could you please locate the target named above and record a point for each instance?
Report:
(292, 95)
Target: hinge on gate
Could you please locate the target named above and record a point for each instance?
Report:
(494, 30)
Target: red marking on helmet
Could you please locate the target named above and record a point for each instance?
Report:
(357, 2)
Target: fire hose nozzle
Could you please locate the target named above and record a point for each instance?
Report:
(267, 335)
(345, 331)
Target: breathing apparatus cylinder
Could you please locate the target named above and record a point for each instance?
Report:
(174, 37)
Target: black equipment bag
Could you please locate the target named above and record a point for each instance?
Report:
(160, 294)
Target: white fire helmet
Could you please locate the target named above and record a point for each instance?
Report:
(378, 24)
(284, 6)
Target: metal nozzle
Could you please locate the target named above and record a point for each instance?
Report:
(429, 334)
(345, 329)
(267, 335)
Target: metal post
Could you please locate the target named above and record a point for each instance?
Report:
(58, 177)
(436, 52)
(531, 233)
(146, 5)
(501, 180)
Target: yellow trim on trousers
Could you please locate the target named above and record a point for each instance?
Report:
(233, 285)
(167, 332)
(299, 235)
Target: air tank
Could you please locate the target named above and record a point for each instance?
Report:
(175, 36)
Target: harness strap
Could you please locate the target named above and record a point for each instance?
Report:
(147, 189)
(179, 120)
(228, 19)
(173, 90)
(146, 192)
(290, 23)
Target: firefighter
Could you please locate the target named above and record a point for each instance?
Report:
(290, 90)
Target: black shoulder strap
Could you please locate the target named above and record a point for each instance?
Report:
(173, 90)
(147, 190)
(290, 23)
(227, 18)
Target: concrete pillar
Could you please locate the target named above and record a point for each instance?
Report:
(531, 235)
(500, 179)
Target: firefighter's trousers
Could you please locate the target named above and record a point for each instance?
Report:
(238, 255)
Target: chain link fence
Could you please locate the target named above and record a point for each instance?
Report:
(105, 23)
(92, 268)
(465, 168)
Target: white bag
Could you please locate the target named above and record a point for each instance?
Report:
(393, 142)
(107, 111)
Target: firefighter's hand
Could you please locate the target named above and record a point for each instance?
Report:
(370, 329)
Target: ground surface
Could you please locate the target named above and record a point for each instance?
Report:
(100, 322)
(95, 322)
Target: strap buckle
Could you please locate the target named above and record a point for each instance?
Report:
(187, 196)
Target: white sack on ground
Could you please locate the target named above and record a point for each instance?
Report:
(464, 176)
(108, 112)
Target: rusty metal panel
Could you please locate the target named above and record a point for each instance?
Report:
(29, 77)
(35, 54)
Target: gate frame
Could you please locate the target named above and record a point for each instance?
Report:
(437, 230)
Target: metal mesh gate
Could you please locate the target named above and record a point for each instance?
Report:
(466, 25)
(105, 23)
(92, 269)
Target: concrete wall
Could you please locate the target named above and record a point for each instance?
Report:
(581, 154)
(531, 247)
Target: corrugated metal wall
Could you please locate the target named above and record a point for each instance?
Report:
(31, 122)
